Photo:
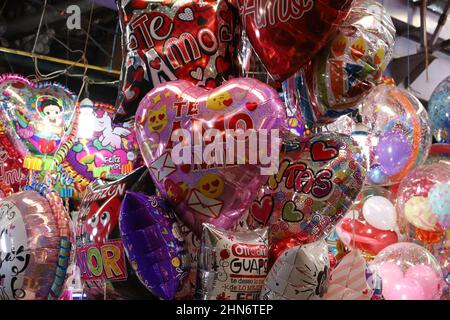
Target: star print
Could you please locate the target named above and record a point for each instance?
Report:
(91, 166)
(157, 99)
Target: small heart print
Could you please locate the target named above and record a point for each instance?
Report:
(156, 63)
(197, 74)
(228, 102)
(320, 151)
(261, 210)
(186, 15)
(291, 213)
(251, 106)
(222, 65)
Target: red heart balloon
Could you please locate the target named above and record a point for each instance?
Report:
(366, 238)
(286, 34)
(169, 40)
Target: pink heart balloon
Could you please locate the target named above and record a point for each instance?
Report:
(426, 277)
(218, 194)
(405, 289)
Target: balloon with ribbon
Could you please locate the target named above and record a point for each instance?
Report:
(209, 182)
(102, 149)
(319, 178)
(40, 119)
(36, 244)
(100, 249)
(170, 40)
(286, 34)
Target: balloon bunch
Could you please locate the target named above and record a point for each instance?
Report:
(201, 184)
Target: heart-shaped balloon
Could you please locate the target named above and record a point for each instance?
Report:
(102, 148)
(39, 118)
(170, 40)
(318, 180)
(12, 175)
(286, 34)
(364, 236)
(203, 190)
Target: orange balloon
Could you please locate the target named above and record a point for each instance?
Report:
(430, 237)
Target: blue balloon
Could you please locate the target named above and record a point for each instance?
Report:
(439, 111)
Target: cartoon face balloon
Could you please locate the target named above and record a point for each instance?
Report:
(189, 40)
(35, 246)
(38, 118)
(176, 124)
(318, 179)
(300, 273)
(100, 249)
(102, 148)
(281, 32)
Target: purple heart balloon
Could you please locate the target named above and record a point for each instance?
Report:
(153, 243)
(216, 192)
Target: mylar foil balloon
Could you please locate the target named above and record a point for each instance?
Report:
(371, 223)
(35, 245)
(169, 40)
(408, 272)
(353, 279)
(394, 134)
(12, 173)
(192, 245)
(287, 34)
(439, 152)
(318, 179)
(232, 265)
(300, 273)
(105, 270)
(439, 109)
(205, 181)
(102, 148)
(353, 63)
(39, 118)
(424, 204)
(153, 243)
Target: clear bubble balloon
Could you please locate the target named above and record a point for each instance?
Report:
(394, 133)
(439, 108)
(424, 203)
(408, 272)
(371, 223)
